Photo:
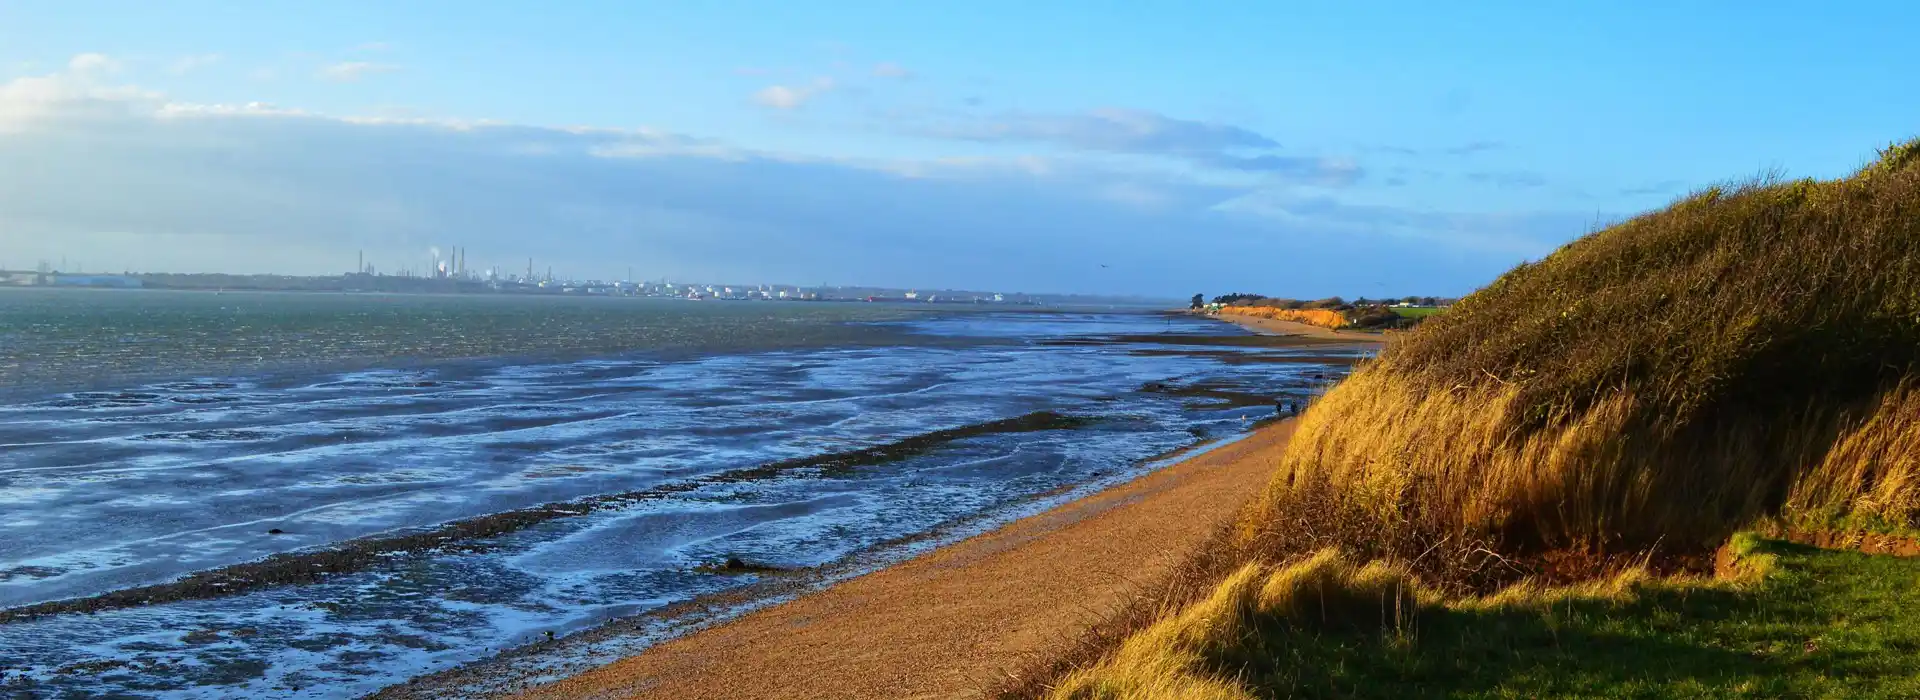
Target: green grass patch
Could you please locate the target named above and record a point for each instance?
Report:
(1822, 623)
(1418, 311)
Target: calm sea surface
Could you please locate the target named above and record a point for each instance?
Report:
(147, 436)
(66, 338)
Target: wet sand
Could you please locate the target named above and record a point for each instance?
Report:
(958, 620)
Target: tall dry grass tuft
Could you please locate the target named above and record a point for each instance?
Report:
(1192, 654)
(1747, 352)
(1326, 318)
(1273, 631)
(1870, 478)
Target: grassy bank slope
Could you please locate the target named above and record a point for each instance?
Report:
(1748, 352)
(1749, 356)
(1799, 622)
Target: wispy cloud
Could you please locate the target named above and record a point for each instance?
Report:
(1663, 187)
(1113, 130)
(891, 70)
(79, 95)
(1467, 149)
(1509, 179)
(352, 71)
(785, 97)
(93, 63)
(1454, 101)
(252, 186)
(1522, 235)
(1144, 133)
(189, 64)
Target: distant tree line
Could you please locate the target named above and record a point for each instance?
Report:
(1244, 299)
(1236, 298)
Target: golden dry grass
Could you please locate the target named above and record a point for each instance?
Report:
(1175, 657)
(1748, 353)
(1440, 478)
(1251, 618)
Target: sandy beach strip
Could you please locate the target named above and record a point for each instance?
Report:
(957, 620)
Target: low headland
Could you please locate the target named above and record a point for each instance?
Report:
(1580, 480)
(1333, 313)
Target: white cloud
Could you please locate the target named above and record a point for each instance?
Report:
(1110, 129)
(351, 71)
(1133, 132)
(77, 95)
(189, 64)
(170, 185)
(186, 109)
(780, 97)
(1514, 235)
(93, 63)
(784, 97)
(891, 70)
(971, 166)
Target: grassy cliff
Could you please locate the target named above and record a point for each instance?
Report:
(1535, 463)
(1325, 318)
(1749, 352)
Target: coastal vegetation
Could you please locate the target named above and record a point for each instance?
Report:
(1335, 312)
(1526, 494)
(1417, 311)
(1782, 620)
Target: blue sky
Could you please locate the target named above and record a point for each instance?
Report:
(1290, 148)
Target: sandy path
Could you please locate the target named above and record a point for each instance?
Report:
(1278, 327)
(956, 620)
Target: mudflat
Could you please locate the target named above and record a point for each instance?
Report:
(955, 621)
